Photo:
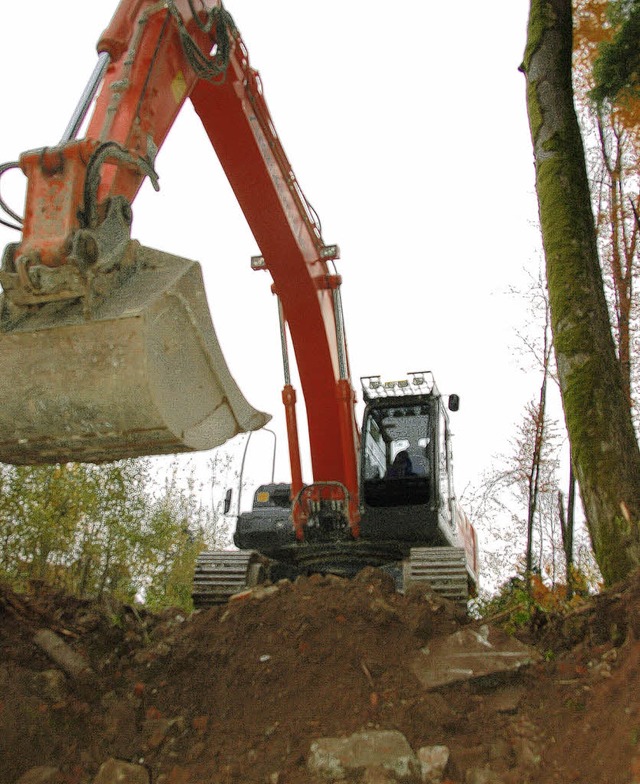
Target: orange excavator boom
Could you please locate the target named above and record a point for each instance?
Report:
(78, 290)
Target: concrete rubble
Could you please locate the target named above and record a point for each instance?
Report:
(335, 758)
(378, 757)
(470, 654)
(115, 771)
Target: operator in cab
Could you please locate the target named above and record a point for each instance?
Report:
(400, 467)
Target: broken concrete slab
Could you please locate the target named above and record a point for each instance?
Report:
(470, 654)
(389, 750)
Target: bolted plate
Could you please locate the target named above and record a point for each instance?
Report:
(142, 373)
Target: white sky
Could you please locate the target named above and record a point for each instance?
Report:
(406, 126)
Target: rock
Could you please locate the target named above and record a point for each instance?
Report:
(383, 581)
(258, 593)
(482, 776)
(177, 775)
(145, 656)
(447, 615)
(382, 612)
(635, 770)
(42, 774)
(264, 591)
(195, 751)
(470, 654)
(422, 624)
(64, 656)
(115, 771)
(89, 620)
(525, 742)
(501, 750)
(51, 684)
(433, 760)
(156, 731)
(378, 776)
(506, 700)
(162, 649)
(389, 750)
(526, 752)
(117, 715)
(469, 757)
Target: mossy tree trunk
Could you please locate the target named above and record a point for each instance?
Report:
(606, 457)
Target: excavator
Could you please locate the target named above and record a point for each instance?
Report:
(108, 349)
(409, 524)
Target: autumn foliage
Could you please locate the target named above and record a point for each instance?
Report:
(611, 131)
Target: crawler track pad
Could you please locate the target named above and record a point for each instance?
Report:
(220, 574)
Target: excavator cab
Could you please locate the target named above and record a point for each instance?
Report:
(406, 475)
(398, 458)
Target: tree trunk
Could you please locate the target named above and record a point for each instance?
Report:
(620, 244)
(604, 448)
(567, 528)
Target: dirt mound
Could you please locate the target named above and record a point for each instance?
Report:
(238, 693)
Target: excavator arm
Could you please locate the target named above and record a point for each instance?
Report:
(79, 291)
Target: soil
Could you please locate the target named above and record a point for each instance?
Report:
(237, 693)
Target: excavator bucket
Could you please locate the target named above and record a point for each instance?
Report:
(133, 371)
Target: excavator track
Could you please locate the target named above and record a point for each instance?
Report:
(443, 568)
(221, 574)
